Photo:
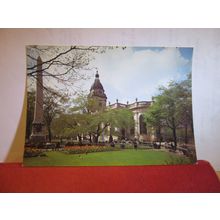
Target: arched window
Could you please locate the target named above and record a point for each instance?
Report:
(143, 127)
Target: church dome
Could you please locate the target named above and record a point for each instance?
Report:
(97, 84)
(97, 88)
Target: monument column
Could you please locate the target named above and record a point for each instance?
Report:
(38, 127)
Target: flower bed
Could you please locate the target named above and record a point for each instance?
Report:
(87, 149)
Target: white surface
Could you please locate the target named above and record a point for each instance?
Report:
(114, 13)
(205, 73)
(109, 206)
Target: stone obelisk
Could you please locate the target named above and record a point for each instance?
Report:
(38, 128)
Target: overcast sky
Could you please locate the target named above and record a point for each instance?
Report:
(137, 72)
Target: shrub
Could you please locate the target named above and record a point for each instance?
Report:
(33, 152)
(174, 160)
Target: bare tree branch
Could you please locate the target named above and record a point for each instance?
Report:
(52, 59)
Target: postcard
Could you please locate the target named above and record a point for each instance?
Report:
(109, 106)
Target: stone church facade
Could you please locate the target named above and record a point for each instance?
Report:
(140, 131)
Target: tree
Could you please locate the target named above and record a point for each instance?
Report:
(63, 65)
(81, 121)
(97, 123)
(154, 118)
(112, 119)
(169, 101)
(71, 125)
(172, 108)
(120, 119)
(78, 120)
(54, 105)
(185, 106)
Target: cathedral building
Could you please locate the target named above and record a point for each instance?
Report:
(138, 108)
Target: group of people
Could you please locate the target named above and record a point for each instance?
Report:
(123, 143)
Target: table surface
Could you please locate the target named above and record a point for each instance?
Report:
(187, 178)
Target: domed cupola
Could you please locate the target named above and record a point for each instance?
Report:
(97, 88)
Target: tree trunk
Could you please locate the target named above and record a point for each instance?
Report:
(159, 136)
(90, 138)
(174, 134)
(110, 135)
(80, 139)
(110, 139)
(49, 133)
(174, 138)
(96, 138)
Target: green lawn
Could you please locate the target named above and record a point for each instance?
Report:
(111, 158)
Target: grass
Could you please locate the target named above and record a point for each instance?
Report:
(112, 158)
